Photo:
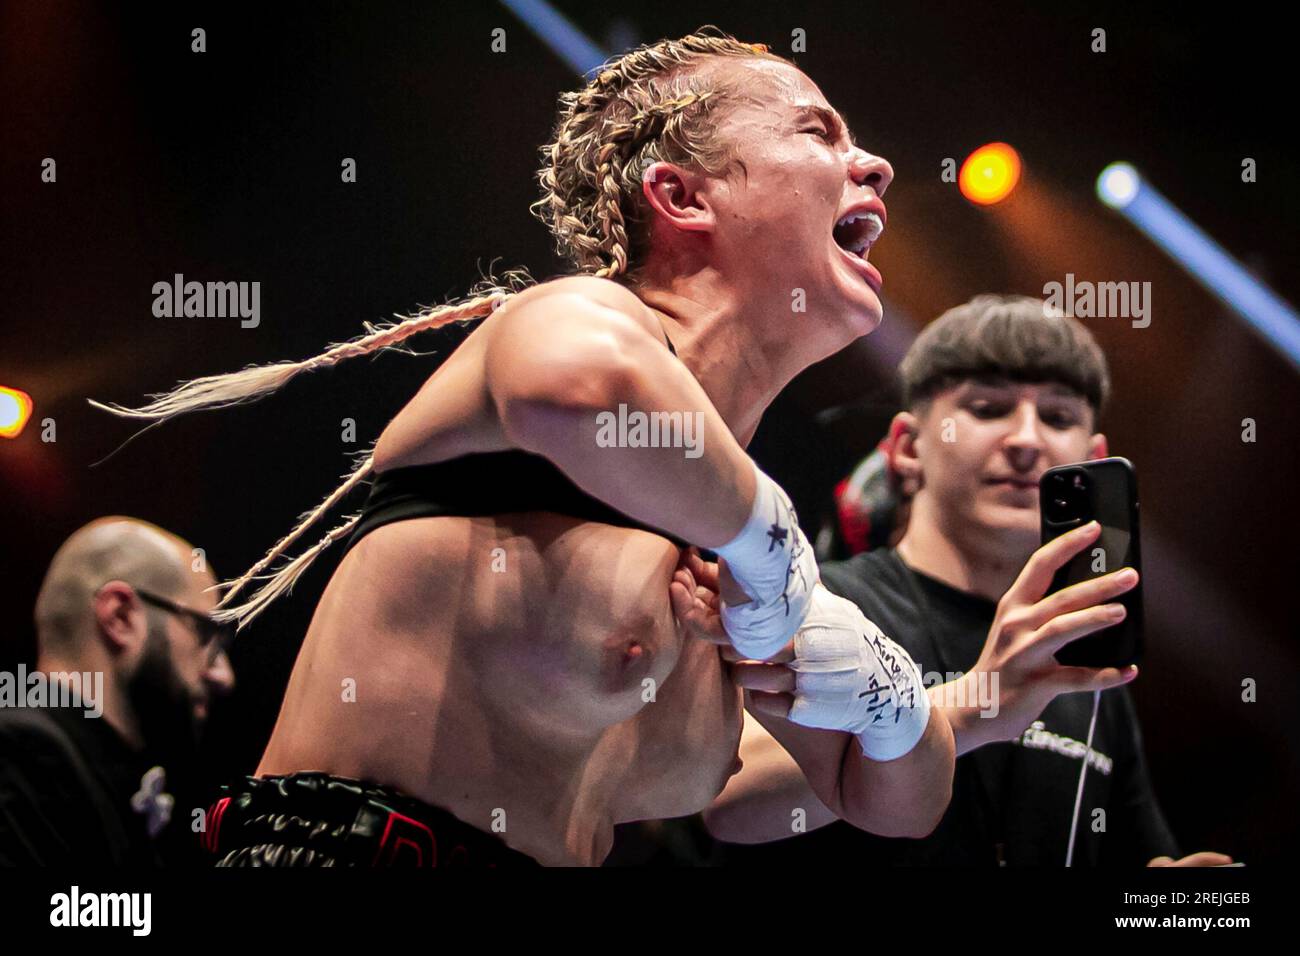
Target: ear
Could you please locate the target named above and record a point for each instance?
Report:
(903, 460)
(676, 197)
(119, 617)
(1098, 447)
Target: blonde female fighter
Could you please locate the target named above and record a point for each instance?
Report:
(502, 611)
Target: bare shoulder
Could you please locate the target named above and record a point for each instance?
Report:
(549, 338)
(603, 292)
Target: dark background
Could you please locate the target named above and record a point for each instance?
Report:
(225, 166)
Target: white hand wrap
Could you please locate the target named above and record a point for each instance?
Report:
(774, 564)
(849, 676)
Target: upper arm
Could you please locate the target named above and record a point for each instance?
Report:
(566, 343)
(569, 342)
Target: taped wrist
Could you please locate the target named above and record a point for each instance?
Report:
(850, 677)
(773, 563)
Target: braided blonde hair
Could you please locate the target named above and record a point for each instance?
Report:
(646, 106)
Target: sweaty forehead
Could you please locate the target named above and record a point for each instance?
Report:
(769, 86)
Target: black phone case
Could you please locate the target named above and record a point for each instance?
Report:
(1112, 501)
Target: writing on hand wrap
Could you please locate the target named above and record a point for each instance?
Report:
(901, 683)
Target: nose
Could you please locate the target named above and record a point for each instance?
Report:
(1024, 443)
(220, 676)
(869, 170)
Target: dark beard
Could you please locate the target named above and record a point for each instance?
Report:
(163, 706)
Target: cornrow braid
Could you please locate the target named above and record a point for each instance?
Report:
(258, 381)
(647, 106)
(306, 520)
(251, 384)
(622, 137)
(283, 580)
(643, 107)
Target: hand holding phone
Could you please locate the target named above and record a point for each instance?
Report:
(1105, 491)
(1030, 629)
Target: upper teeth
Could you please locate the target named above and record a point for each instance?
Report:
(873, 220)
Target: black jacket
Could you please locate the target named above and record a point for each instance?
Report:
(66, 782)
(1012, 802)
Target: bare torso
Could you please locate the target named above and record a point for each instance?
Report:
(523, 671)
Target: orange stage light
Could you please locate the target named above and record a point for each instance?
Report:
(15, 409)
(989, 174)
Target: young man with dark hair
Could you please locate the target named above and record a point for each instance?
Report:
(995, 392)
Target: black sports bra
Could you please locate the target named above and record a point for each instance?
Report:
(482, 484)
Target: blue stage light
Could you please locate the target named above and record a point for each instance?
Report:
(1120, 187)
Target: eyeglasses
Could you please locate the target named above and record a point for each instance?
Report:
(214, 635)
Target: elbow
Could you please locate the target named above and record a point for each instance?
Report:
(918, 813)
(930, 810)
(910, 796)
(913, 820)
(935, 762)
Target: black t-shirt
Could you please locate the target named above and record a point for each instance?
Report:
(1011, 802)
(66, 782)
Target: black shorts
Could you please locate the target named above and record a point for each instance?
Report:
(315, 819)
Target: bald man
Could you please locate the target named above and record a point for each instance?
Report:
(128, 660)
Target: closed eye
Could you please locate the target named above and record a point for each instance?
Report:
(988, 410)
(831, 126)
(1059, 420)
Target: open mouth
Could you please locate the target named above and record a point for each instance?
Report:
(857, 230)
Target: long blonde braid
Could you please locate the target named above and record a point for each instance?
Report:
(643, 107)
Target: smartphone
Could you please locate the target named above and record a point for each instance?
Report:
(1105, 491)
